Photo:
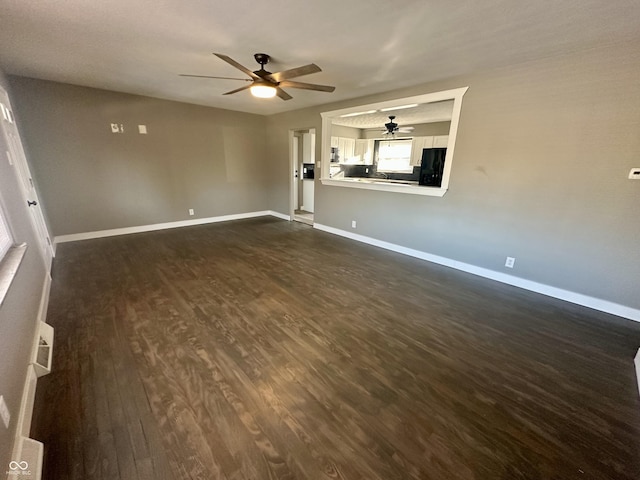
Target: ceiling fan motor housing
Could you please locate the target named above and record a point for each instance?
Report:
(262, 58)
(391, 126)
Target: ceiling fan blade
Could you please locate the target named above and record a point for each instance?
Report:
(282, 94)
(221, 78)
(294, 72)
(232, 62)
(307, 86)
(238, 89)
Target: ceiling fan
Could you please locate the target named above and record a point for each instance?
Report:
(392, 127)
(265, 84)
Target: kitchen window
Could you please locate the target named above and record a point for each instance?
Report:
(394, 156)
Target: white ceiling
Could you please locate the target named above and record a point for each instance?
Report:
(362, 46)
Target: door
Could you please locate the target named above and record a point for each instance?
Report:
(17, 158)
(297, 173)
(302, 159)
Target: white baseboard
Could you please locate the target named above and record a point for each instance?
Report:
(280, 215)
(27, 454)
(572, 297)
(74, 237)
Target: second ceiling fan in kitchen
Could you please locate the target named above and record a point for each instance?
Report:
(391, 127)
(265, 84)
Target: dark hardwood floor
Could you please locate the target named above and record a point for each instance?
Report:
(263, 349)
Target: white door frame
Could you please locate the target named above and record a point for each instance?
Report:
(294, 170)
(295, 162)
(17, 158)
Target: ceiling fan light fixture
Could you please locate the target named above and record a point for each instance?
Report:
(261, 90)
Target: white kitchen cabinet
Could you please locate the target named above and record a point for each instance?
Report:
(347, 148)
(440, 141)
(308, 194)
(364, 151)
(417, 145)
(354, 150)
(306, 148)
(420, 143)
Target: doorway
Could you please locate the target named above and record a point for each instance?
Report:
(18, 159)
(302, 153)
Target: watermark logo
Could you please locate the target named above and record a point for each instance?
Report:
(18, 468)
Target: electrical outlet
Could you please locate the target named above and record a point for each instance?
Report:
(510, 262)
(142, 129)
(4, 412)
(353, 224)
(191, 212)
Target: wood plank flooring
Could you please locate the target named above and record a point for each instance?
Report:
(263, 349)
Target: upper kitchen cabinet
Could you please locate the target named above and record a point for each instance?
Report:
(440, 141)
(364, 151)
(308, 148)
(342, 149)
(418, 144)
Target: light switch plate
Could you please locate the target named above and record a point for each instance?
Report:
(634, 174)
(142, 129)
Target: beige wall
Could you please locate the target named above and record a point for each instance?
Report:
(90, 179)
(19, 310)
(346, 132)
(540, 173)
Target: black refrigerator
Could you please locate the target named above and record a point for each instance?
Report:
(432, 166)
